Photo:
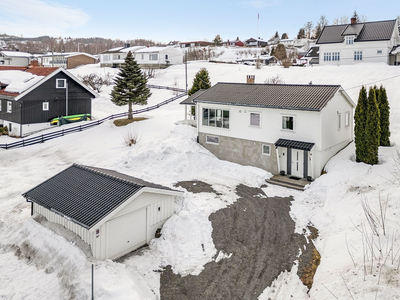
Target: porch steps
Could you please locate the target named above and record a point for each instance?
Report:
(285, 181)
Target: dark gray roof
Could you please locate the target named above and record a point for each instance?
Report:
(369, 31)
(189, 100)
(286, 96)
(313, 52)
(86, 194)
(294, 144)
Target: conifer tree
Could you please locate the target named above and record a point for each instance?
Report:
(384, 117)
(359, 127)
(200, 82)
(130, 85)
(372, 129)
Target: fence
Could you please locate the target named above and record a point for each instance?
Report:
(49, 136)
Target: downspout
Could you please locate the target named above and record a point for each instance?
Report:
(20, 123)
(31, 205)
(277, 157)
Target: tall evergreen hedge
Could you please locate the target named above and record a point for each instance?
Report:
(372, 132)
(384, 117)
(359, 127)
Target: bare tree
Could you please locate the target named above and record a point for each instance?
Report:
(278, 79)
(308, 27)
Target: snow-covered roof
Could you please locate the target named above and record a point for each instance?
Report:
(18, 81)
(152, 49)
(132, 49)
(67, 54)
(16, 53)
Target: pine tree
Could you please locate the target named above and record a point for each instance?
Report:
(359, 127)
(200, 82)
(130, 85)
(217, 40)
(372, 129)
(384, 117)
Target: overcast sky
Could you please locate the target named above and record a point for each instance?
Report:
(163, 21)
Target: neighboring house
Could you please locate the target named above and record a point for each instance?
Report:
(15, 58)
(31, 97)
(159, 56)
(112, 212)
(281, 128)
(312, 56)
(233, 43)
(359, 42)
(195, 44)
(67, 60)
(287, 42)
(251, 42)
(263, 59)
(116, 57)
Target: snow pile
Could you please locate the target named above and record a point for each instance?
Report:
(18, 81)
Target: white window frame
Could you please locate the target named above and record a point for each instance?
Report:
(335, 56)
(327, 56)
(212, 137)
(9, 107)
(349, 40)
(339, 121)
(45, 106)
(262, 149)
(358, 55)
(61, 80)
(347, 119)
(294, 123)
(259, 119)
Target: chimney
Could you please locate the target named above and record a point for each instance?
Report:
(34, 63)
(127, 45)
(251, 79)
(353, 21)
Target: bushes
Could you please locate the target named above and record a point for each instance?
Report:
(3, 130)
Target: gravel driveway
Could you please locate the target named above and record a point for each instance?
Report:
(259, 233)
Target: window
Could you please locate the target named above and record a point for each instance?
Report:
(45, 106)
(378, 51)
(339, 120)
(357, 55)
(211, 139)
(142, 56)
(327, 56)
(61, 83)
(153, 56)
(166, 56)
(287, 122)
(266, 150)
(335, 56)
(347, 119)
(255, 119)
(9, 106)
(216, 118)
(105, 57)
(349, 40)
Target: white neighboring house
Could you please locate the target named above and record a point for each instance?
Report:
(115, 57)
(281, 128)
(359, 42)
(15, 58)
(159, 56)
(112, 212)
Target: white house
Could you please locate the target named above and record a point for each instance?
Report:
(112, 212)
(359, 42)
(15, 58)
(282, 128)
(115, 57)
(159, 56)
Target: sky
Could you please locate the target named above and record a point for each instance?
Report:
(164, 21)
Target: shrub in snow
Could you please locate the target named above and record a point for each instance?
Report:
(131, 138)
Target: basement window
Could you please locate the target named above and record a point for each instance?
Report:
(212, 139)
(61, 83)
(266, 150)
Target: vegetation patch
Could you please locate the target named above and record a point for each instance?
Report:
(123, 122)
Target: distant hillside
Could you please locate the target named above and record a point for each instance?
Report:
(42, 44)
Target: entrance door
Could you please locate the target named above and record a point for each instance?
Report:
(298, 163)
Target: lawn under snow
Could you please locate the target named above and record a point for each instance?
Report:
(38, 263)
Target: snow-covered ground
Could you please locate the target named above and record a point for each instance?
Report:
(38, 263)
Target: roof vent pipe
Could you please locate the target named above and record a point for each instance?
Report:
(251, 79)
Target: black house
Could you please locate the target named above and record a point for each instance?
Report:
(31, 97)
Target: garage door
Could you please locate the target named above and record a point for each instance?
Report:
(126, 233)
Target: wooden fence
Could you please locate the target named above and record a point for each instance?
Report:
(49, 136)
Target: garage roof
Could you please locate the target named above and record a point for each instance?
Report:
(86, 195)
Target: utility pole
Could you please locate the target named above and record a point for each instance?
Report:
(258, 19)
(186, 84)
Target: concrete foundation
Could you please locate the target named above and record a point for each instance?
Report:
(244, 152)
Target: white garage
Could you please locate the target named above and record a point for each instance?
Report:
(112, 212)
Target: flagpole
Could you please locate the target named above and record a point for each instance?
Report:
(258, 19)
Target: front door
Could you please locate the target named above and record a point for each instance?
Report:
(297, 163)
